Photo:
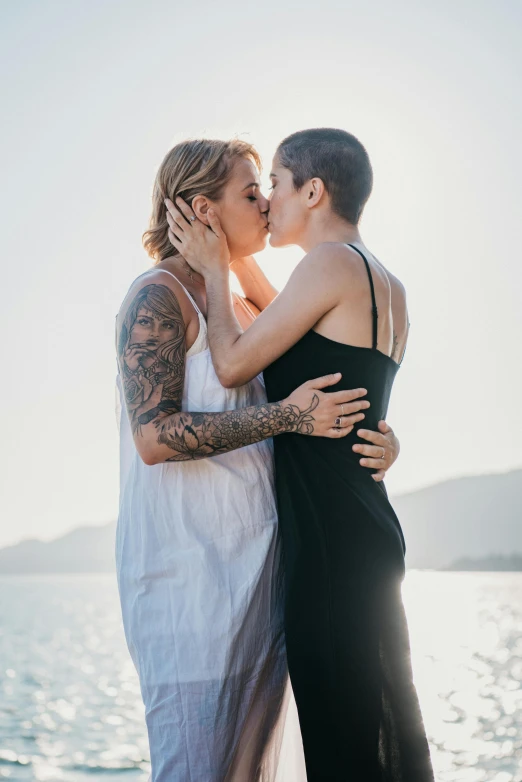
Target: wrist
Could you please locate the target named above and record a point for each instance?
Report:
(287, 422)
(237, 263)
(216, 271)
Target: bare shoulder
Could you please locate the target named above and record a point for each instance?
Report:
(158, 286)
(150, 345)
(398, 291)
(334, 260)
(329, 255)
(399, 310)
(343, 265)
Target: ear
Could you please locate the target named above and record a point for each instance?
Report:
(314, 191)
(200, 207)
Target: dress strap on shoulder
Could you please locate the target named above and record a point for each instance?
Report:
(375, 313)
(189, 296)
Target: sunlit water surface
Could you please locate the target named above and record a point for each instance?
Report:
(71, 710)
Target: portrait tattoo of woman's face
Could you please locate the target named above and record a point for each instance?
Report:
(151, 352)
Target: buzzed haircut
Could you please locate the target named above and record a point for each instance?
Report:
(338, 159)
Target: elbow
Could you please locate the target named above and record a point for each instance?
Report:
(229, 378)
(148, 459)
(228, 382)
(148, 455)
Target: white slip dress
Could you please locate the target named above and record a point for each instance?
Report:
(200, 582)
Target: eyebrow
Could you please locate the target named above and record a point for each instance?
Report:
(252, 184)
(272, 175)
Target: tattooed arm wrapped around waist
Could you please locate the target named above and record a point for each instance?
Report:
(151, 343)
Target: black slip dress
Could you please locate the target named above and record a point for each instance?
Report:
(346, 630)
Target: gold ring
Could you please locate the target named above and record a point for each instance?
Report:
(383, 457)
(342, 409)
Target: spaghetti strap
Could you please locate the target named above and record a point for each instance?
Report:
(375, 313)
(201, 342)
(186, 291)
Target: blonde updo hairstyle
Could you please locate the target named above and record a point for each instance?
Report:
(191, 168)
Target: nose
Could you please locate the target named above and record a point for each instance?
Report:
(264, 204)
(154, 332)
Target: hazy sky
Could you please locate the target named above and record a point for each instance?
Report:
(93, 95)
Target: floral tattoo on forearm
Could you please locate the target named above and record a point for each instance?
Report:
(198, 435)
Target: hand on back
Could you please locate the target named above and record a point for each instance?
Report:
(335, 415)
(323, 414)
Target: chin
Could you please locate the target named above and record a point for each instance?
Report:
(275, 241)
(256, 247)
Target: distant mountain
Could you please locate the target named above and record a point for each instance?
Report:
(472, 517)
(84, 550)
(496, 563)
(467, 523)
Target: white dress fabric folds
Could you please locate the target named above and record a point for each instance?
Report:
(199, 574)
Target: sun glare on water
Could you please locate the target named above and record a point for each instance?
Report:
(465, 631)
(71, 706)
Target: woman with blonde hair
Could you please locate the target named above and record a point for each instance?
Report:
(198, 554)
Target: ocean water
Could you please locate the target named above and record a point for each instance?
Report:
(70, 706)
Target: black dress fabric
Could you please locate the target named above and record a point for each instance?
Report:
(346, 630)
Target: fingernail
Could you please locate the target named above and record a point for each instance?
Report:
(363, 462)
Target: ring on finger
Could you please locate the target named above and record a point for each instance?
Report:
(192, 218)
(337, 421)
(342, 409)
(383, 457)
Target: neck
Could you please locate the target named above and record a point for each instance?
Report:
(328, 228)
(180, 268)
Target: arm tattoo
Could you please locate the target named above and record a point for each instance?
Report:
(151, 355)
(395, 349)
(199, 435)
